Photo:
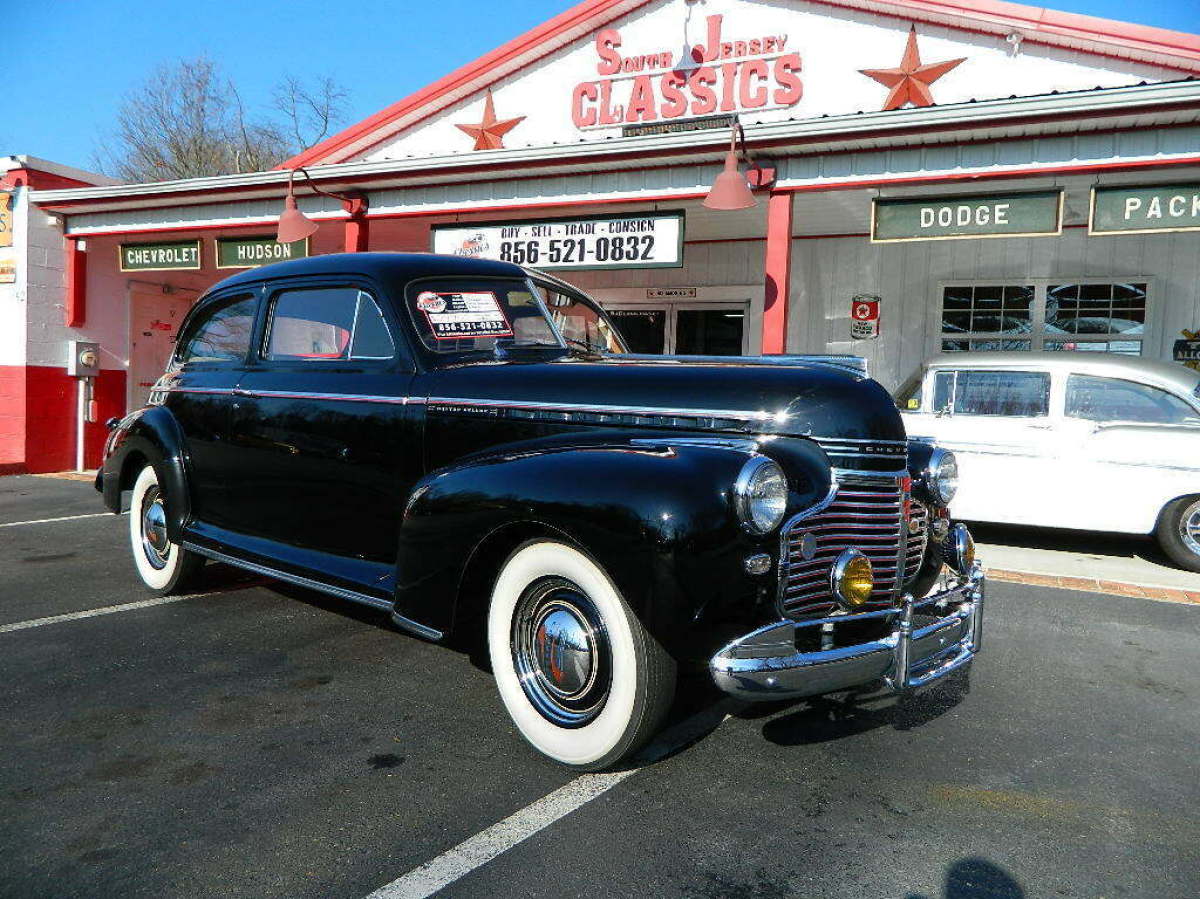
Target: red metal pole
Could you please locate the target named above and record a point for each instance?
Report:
(75, 313)
(778, 267)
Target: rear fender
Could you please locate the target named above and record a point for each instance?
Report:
(150, 435)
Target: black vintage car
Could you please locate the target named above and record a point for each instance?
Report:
(467, 445)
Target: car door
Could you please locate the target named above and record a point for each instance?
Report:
(998, 423)
(328, 441)
(209, 360)
(1129, 448)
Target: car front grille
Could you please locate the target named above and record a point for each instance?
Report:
(918, 537)
(865, 513)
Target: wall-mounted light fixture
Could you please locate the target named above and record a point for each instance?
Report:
(294, 225)
(732, 189)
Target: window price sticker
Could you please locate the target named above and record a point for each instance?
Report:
(454, 316)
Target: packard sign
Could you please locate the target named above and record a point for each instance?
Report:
(1148, 209)
(160, 257)
(952, 218)
(250, 252)
(604, 242)
(727, 74)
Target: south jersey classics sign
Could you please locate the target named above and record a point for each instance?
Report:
(637, 241)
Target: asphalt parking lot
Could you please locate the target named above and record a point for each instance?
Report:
(259, 740)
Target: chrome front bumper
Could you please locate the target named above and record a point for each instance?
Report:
(931, 638)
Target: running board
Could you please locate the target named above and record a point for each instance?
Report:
(299, 580)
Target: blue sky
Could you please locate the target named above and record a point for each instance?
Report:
(67, 63)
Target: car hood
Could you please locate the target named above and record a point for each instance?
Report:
(758, 395)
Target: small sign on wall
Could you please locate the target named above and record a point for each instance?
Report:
(670, 293)
(864, 317)
(1037, 214)
(251, 252)
(160, 256)
(1146, 209)
(6, 219)
(1187, 351)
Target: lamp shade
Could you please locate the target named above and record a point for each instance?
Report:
(731, 190)
(294, 225)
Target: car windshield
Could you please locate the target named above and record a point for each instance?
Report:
(462, 315)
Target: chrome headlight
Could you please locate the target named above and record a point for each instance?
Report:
(760, 495)
(941, 476)
(959, 550)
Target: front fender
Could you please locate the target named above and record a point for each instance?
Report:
(655, 514)
(151, 434)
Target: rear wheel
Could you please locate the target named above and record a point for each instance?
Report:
(1178, 531)
(582, 679)
(165, 567)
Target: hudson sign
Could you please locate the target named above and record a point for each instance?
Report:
(728, 73)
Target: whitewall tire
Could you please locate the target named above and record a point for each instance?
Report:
(582, 679)
(1178, 531)
(165, 567)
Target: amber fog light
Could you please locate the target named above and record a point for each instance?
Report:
(960, 549)
(852, 579)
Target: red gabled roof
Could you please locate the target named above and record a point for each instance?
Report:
(1090, 34)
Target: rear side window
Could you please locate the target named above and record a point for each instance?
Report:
(221, 334)
(462, 316)
(327, 324)
(1007, 393)
(1111, 399)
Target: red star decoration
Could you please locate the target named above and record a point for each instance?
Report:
(910, 82)
(489, 134)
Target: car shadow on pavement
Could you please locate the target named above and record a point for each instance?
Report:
(1086, 543)
(977, 878)
(823, 719)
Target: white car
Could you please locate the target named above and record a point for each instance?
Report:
(1070, 440)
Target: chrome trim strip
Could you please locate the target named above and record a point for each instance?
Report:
(738, 414)
(300, 581)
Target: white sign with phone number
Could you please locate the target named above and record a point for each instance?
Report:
(637, 241)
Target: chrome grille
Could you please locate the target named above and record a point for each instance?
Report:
(915, 550)
(866, 513)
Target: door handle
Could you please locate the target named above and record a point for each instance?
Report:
(238, 391)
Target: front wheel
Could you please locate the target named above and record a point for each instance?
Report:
(1178, 531)
(165, 567)
(582, 679)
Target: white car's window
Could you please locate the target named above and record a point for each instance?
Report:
(1010, 393)
(328, 323)
(1111, 399)
(223, 335)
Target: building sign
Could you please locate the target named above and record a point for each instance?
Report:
(670, 293)
(8, 271)
(251, 252)
(951, 218)
(1187, 351)
(160, 257)
(654, 240)
(864, 317)
(738, 72)
(1148, 209)
(6, 219)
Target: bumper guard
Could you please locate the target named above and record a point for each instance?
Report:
(921, 649)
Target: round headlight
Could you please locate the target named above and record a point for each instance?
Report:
(960, 549)
(942, 476)
(852, 579)
(760, 495)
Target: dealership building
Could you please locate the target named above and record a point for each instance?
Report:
(916, 176)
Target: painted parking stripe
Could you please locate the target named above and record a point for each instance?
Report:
(486, 845)
(17, 524)
(103, 610)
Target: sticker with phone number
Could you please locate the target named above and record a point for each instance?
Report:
(455, 316)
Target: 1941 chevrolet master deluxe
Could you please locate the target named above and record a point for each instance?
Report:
(467, 444)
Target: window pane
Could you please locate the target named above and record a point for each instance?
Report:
(987, 309)
(956, 322)
(224, 336)
(943, 387)
(1002, 393)
(371, 339)
(466, 315)
(955, 346)
(1110, 399)
(708, 332)
(581, 323)
(1122, 347)
(313, 324)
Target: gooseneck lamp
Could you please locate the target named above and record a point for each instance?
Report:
(731, 190)
(294, 225)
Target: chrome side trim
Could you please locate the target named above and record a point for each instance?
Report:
(374, 602)
(737, 414)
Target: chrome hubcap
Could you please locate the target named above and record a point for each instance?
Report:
(1189, 527)
(561, 652)
(154, 529)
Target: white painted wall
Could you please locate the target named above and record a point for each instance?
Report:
(827, 272)
(13, 296)
(834, 45)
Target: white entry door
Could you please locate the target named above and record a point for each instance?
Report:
(686, 329)
(154, 321)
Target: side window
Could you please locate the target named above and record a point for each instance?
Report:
(1008, 393)
(580, 323)
(222, 335)
(1111, 399)
(327, 323)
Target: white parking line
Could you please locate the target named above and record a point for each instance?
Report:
(17, 524)
(103, 610)
(480, 849)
